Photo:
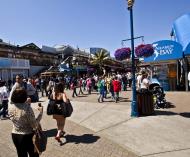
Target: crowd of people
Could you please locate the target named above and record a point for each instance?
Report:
(15, 101)
(103, 85)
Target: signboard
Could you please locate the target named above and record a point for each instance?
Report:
(165, 50)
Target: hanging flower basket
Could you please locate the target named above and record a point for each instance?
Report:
(122, 53)
(144, 50)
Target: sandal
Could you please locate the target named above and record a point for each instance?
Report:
(58, 139)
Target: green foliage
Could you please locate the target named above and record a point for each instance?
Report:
(100, 57)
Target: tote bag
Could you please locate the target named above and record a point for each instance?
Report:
(63, 108)
(39, 140)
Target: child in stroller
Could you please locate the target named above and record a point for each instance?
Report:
(159, 96)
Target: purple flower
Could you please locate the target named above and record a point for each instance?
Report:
(123, 53)
(144, 50)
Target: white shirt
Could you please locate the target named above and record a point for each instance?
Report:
(139, 77)
(119, 76)
(3, 94)
(188, 77)
(145, 83)
(129, 75)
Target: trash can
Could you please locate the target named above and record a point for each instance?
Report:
(145, 102)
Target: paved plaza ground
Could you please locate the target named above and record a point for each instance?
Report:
(107, 129)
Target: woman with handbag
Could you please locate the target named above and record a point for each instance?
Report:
(59, 98)
(24, 123)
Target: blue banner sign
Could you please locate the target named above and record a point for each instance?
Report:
(165, 50)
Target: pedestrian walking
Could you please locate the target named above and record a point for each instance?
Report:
(111, 89)
(59, 97)
(80, 86)
(74, 87)
(3, 100)
(116, 88)
(18, 84)
(9, 84)
(101, 89)
(31, 91)
(89, 85)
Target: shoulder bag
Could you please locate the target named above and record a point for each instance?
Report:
(68, 109)
(39, 140)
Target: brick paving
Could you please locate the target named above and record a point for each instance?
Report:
(80, 141)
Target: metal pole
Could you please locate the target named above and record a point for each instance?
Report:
(134, 109)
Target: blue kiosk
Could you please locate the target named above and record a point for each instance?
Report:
(164, 63)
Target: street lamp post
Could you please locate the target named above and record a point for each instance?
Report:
(134, 108)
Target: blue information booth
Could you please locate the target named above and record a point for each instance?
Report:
(164, 63)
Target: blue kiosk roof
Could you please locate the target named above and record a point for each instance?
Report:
(165, 50)
(181, 29)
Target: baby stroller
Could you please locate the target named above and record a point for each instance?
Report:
(159, 96)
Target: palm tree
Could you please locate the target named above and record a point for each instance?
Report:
(100, 58)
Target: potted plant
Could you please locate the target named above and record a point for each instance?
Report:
(122, 53)
(144, 50)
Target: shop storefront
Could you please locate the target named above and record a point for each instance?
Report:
(164, 63)
(10, 67)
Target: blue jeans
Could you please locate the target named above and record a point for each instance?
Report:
(4, 108)
(101, 96)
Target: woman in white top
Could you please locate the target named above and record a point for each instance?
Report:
(3, 100)
(145, 81)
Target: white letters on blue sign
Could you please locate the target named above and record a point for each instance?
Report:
(162, 50)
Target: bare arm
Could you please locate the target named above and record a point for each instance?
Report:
(65, 99)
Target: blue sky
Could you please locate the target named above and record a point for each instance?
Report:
(87, 23)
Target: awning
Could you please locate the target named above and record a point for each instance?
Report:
(165, 50)
(181, 29)
(187, 50)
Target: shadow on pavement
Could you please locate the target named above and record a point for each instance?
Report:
(170, 105)
(169, 113)
(86, 138)
(124, 99)
(185, 114)
(81, 96)
(165, 113)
